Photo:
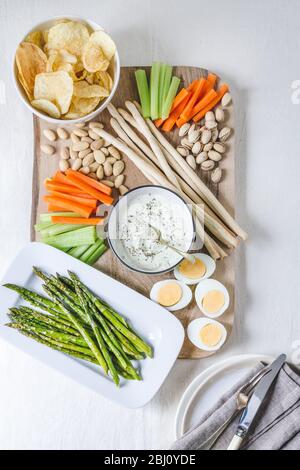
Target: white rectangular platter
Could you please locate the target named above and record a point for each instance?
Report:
(155, 324)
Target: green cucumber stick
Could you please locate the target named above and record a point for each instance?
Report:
(162, 73)
(154, 89)
(42, 225)
(57, 229)
(170, 97)
(167, 82)
(91, 250)
(96, 255)
(78, 237)
(144, 93)
(78, 251)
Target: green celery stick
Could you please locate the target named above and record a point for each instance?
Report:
(96, 255)
(143, 89)
(78, 237)
(154, 89)
(57, 229)
(170, 97)
(46, 217)
(91, 250)
(167, 82)
(42, 225)
(162, 74)
(78, 251)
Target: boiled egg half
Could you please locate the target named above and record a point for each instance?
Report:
(192, 273)
(212, 298)
(207, 334)
(171, 294)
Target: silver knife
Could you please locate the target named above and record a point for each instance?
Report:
(255, 402)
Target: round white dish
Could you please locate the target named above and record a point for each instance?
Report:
(117, 219)
(209, 386)
(102, 105)
(205, 286)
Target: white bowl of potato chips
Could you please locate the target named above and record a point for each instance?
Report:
(66, 69)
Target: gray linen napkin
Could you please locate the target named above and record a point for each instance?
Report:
(277, 426)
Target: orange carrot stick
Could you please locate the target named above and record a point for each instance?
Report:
(179, 98)
(170, 122)
(210, 83)
(192, 85)
(77, 220)
(64, 188)
(54, 208)
(60, 177)
(221, 92)
(158, 122)
(203, 102)
(89, 190)
(95, 184)
(70, 197)
(85, 211)
(188, 109)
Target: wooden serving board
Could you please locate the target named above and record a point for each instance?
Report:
(45, 166)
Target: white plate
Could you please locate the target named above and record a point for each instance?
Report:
(155, 324)
(204, 391)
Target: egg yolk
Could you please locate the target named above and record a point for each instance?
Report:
(210, 334)
(194, 270)
(169, 294)
(213, 301)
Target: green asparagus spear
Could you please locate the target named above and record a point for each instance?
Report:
(113, 343)
(98, 335)
(63, 298)
(93, 298)
(138, 342)
(126, 345)
(140, 345)
(40, 273)
(61, 339)
(82, 330)
(53, 345)
(27, 294)
(29, 313)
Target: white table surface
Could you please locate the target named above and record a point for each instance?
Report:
(255, 47)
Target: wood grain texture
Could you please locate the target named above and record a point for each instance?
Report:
(45, 166)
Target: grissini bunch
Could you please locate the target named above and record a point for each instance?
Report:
(210, 220)
(146, 159)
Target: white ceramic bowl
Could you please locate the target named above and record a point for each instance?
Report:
(102, 105)
(118, 216)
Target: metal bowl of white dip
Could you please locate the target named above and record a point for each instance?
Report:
(130, 229)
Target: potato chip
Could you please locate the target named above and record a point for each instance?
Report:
(105, 42)
(84, 90)
(30, 60)
(56, 87)
(46, 107)
(65, 56)
(24, 85)
(93, 57)
(71, 36)
(104, 79)
(90, 78)
(37, 38)
(84, 105)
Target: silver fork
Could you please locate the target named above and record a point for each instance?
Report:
(243, 396)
